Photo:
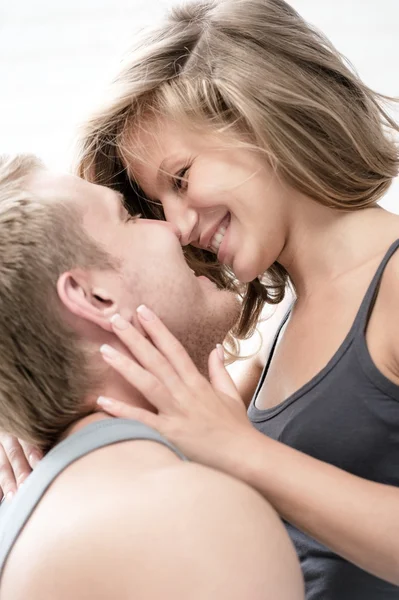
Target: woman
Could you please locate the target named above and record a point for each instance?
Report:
(245, 128)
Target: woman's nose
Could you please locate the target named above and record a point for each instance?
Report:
(184, 220)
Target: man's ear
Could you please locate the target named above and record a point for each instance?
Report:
(81, 297)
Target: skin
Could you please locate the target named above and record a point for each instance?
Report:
(198, 313)
(218, 178)
(331, 257)
(107, 546)
(246, 373)
(136, 539)
(152, 269)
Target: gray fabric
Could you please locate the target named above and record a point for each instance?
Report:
(347, 416)
(15, 514)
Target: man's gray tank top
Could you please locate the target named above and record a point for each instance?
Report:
(347, 416)
(15, 514)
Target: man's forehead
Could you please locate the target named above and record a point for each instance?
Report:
(89, 199)
(61, 186)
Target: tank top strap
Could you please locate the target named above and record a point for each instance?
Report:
(367, 304)
(271, 353)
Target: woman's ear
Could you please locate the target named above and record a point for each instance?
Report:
(82, 298)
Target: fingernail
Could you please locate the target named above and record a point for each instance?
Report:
(9, 496)
(34, 460)
(119, 322)
(108, 351)
(220, 351)
(145, 313)
(102, 401)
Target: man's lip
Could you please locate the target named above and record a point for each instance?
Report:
(206, 237)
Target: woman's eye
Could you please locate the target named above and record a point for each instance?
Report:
(180, 182)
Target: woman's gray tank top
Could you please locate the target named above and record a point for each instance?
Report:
(348, 416)
(15, 514)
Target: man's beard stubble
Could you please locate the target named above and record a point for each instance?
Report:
(201, 338)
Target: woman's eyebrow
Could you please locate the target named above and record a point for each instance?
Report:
(162, 173)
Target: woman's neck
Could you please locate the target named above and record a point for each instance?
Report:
(325, 244)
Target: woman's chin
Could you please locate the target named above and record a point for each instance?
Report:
(244, 273)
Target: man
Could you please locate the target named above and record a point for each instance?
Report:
(113, 511)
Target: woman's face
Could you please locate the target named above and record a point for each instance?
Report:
(221, 197)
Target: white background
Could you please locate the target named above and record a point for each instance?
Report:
(56, 57)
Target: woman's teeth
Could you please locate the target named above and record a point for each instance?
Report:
(219, 235)
(217, 239)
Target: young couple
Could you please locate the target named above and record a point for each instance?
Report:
(241, 127)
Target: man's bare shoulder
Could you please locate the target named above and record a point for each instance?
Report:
(94, 489)
(177, 530)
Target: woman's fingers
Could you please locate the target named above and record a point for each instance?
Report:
(147, 354)
(32, 454)
(8, 483)
(218, 375)
(17, 458)
(14, 466)
(168, 345)
(126, 411)
(142, 380)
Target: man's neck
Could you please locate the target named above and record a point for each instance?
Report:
(83, 422)
(113, 387)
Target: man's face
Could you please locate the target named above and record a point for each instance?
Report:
(152, 266)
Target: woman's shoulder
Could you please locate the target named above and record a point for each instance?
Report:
(383, 325)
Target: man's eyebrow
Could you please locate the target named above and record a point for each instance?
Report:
(121, 197)
(122, 200)
(118, 203)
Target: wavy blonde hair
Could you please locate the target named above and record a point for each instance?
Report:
(256, 68)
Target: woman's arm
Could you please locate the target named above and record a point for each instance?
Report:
(356, 518)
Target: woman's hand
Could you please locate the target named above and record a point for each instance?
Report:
(206, 420)
(17, 459)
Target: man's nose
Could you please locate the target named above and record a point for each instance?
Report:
(184, 220)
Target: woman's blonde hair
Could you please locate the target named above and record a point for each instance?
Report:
(258, 69)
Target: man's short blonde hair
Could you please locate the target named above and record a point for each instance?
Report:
(44, 366)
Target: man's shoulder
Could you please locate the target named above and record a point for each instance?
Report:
(112, 534)
(177, 530)
(105, 486)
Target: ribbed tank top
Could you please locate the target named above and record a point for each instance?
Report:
(15, 514)
(347, 416)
